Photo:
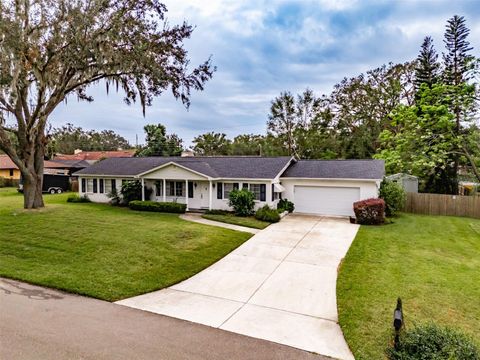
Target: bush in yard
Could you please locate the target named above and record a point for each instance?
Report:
(114, 197)
(168, 207)
(285, 205)
(370, 211)
(394, 196)
(431, 342)
(267, 214)
(242, 202)
(75, 198)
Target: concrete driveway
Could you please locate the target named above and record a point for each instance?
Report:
(280, 286)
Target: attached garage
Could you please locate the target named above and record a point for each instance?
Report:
(330, 187)
(325, 200)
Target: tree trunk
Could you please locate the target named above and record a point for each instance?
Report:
(32, 191)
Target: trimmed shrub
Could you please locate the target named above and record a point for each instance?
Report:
(131, 190)
(394, 196)
(431, 342)
(267, 214)
(242, 202)
(167, 207)
(75, 198)
(370, 211)
(285, 205)
(7, 182)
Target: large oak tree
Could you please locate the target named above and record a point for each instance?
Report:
(50, 49)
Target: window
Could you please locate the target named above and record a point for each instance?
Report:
(84, 186)
(179, 188)
(108, 186)
(95, 185)
(158, 188)
(11, 172)
(101, 186)
(175, 188)
(89, 185)
(259, 190)
(227, 188)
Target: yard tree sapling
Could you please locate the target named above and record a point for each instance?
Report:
(52, 49)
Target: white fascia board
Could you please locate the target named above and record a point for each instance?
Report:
(277, 178)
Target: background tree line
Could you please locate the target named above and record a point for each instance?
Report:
(421, 117)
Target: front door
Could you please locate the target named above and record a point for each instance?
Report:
(204, 196)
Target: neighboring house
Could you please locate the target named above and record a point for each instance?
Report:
(327, 187)
(92, 157)
(64, 167)
(408, 182)
(8, 169)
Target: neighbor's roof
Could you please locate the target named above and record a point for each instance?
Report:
(7, 163)
(69, 164)
(336, 169)
(237, 167)
(95, 155)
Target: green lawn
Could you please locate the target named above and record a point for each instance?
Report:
(102, 251)
(248, 221)
(431, 262)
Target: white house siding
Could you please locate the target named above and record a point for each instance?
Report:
(367, 188)
(98, 197)
(222, 204)
(173, 172)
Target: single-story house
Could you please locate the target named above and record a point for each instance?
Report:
(326, 187)
(8, 169)
(92, 157)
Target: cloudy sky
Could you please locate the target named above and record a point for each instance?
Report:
(261, 48)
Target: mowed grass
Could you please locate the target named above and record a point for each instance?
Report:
(102, 251)
(431, 262)
(248, 221)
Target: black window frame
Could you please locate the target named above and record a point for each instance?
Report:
(219, 190)
(11, 172)
(178, 189)
(263, 192)
(114, 184)
(101, 186)
(95, 186)
(83, 185)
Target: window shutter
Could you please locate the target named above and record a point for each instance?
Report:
(95, 185)
(263, 192)
(190, 189)
(219, 190)
(273, 193)
(101, 186)
(83, 186)
(114, 185)
(235, 186)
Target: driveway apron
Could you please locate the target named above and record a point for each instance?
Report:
(280, 286)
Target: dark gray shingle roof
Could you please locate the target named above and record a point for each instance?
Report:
(336, 169)
(242, 167)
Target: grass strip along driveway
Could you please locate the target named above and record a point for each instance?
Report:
(102, 251)
(248, 221)
(431, 262)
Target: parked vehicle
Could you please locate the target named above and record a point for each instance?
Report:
(53, 184)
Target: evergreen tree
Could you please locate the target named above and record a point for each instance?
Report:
(427, 67)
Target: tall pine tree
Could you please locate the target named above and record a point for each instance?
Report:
(458, 65)
(427, 67)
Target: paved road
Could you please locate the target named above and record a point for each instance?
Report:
(38, 323)
(279, 286)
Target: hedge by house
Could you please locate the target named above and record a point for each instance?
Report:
(168, 207)
(75, 198)
(285, 205)
(370, 211)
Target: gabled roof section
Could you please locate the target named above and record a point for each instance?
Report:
(217, 167)
(336, 169)
(7, 163)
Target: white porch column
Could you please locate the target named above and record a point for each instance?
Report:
(210, 195)
(143, 189)
(164, 190)
(186, 193)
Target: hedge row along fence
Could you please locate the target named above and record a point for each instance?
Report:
(167, 207)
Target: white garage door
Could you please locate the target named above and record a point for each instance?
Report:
(326, 200)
